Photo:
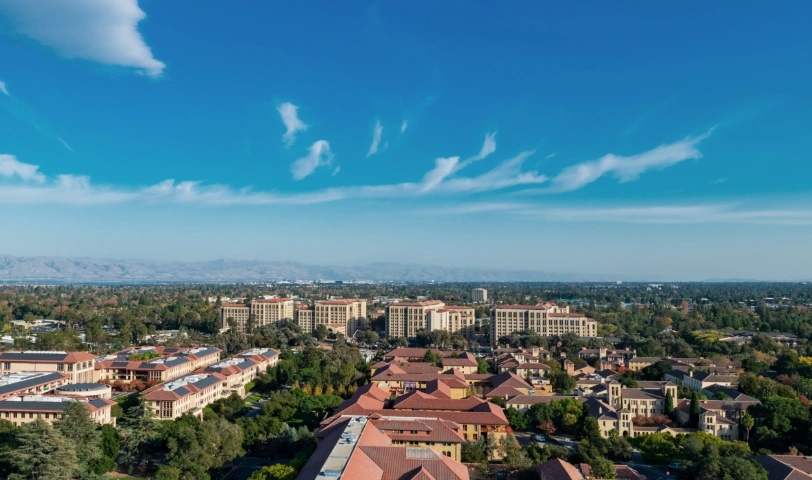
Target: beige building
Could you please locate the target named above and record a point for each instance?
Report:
(242, 368)
(30, 383)
(405, 319)
(172, 362)
(188, 394)
(236, 314)
(546, 319)
(26, 409)
(351, 312)
(479, 295)
(306, 317)
(453, 319)
(648, 400)
(260, 312)
(79, 365)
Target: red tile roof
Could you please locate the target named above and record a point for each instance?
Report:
(424, 401)
(558, 469)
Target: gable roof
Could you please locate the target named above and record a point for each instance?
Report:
(558, 469)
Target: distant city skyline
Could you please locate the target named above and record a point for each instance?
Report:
(598, 140)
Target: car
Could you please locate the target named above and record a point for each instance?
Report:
(539, 438)
(675, 465)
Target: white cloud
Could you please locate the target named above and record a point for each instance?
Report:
(318, 155)
(103, 31)
(730, 213)
(404, 126)
(290, 118)
(626, 169)
(446, 167)
(336, 170)
(551, 155)
(3, 87)
(376, 138)
(10, 167)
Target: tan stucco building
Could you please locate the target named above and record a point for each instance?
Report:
(80, 366)
(546, 319)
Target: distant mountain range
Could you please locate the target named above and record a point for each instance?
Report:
(92, 270)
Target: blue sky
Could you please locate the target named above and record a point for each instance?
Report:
(634, 141)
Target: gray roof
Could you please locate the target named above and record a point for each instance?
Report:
(33, 356)
(33, 406)
(31, 382)
(79, 387)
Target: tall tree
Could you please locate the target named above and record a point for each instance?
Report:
(747, 421)
(77, 426)
(42, 453)
(695, 410)
(669, 404)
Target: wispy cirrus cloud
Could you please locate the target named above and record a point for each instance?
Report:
(377, 132)
(703, 213)
(3, 88)
(404, 126)
(102, 31)
(626, 168)
(290, 118)
(318, 155)
(79, 190)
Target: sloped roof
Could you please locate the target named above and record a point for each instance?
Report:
(558, 469)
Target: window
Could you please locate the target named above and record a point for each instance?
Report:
(60, 367)
(7, 366)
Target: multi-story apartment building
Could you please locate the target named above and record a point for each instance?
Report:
(30, 383)
(306, 317)
(173, 362)
(235, 314)
(546, 319)
(453, 319)
(272, 311)
(243, 368)
(479, 295)
(26, 409)
(258, 313)
(80, 366)
(188, 394)
(351, 313)
(405, 319)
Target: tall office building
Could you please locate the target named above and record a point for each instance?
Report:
(547, 319)
(479, 295)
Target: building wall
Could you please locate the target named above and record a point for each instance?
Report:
(544, 321)
(81, 372)
(305, 318)
(239, 313)
(406, 319)
(479, 295)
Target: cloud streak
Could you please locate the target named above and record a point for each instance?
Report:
(101, 31)
(732, 213)
(377, 132)
(79, 190)
(404, 126)
(626, 169)
(290, 117)
(318, 155)
(3, 88)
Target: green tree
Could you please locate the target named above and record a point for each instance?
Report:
(482, 366)
(669, 404)
(42, 452)
(695, 410)
(82, 431)
(747, 421)
(321, 332)
(516, 418)
(473, 452)
(274, 472)
(139, 430)
(562, 382)
(715, 467)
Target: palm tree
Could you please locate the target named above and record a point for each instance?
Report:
(747, 421)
